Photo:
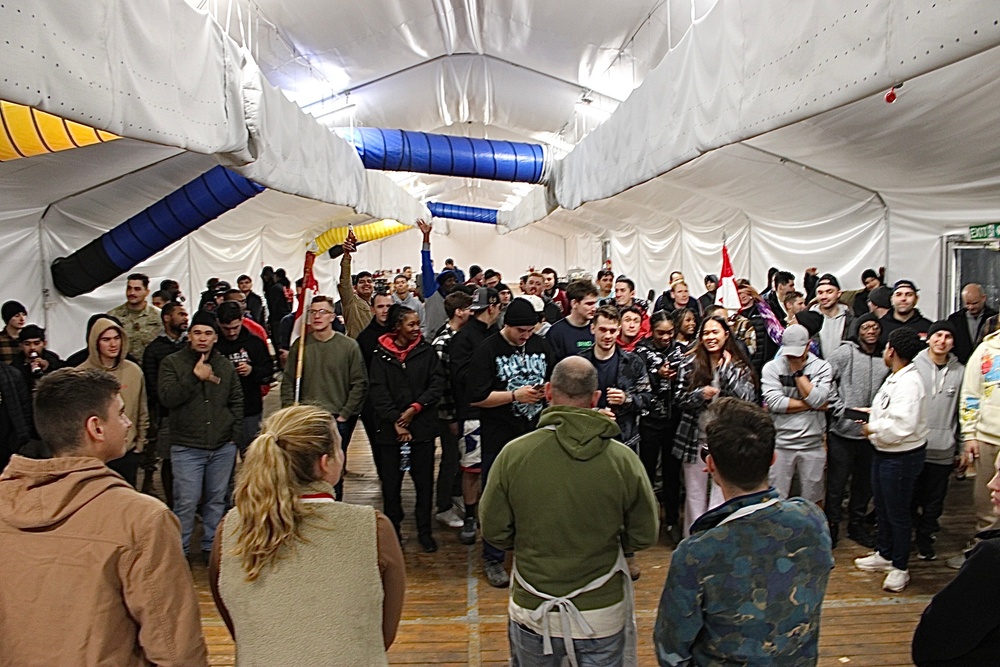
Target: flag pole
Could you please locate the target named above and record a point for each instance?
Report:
(307, 279)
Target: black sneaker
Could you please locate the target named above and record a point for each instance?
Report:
(925, 549)
(496, 575)
(427, 543)
(198, 559)
(861, 536)
(468, 534)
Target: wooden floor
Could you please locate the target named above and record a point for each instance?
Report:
(453, 617)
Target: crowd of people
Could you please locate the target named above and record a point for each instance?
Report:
(573, 417)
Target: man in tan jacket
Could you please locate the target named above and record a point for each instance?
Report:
(94, 573)
(355, 295)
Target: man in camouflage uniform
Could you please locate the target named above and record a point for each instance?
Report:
(747, 586)
(140, 320)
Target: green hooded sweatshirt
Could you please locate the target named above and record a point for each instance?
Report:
(564, 498)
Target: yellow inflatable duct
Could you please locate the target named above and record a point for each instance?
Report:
(370, 232)
(28, 132)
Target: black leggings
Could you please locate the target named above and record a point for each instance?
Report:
(422, 474)
(656, 439)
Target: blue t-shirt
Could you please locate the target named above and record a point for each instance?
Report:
(607, 376)
(566, 340)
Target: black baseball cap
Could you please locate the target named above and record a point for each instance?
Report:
(484, 298)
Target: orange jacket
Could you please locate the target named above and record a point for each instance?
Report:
(94, 573)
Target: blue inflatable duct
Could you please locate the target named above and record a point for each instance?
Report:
(402, 150)
(150, 231)
(220, 190)
(457, 212)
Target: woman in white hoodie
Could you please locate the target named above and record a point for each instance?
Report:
(897, 428)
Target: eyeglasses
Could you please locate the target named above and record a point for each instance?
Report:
(703, 451)
(320, 311)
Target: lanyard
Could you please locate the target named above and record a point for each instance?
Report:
(748, 510)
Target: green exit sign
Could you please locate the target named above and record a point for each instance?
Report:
(988, 232)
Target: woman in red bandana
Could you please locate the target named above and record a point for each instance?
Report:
(406, 382)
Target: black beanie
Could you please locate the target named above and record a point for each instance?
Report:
(881, 296)
(867, 317)
(520, 313)
(10, 309)
(811, 320)
(31, 332)
(941, 325)
(206, 319)
(906, 342)
(869, 273)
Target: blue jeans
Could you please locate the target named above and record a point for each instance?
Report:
(526, 649)
(201, 473)
(893, 479)
(251, 429)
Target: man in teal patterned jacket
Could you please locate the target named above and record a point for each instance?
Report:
(746, 588)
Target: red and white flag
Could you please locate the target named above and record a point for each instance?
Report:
(727, 296)
(309, 289)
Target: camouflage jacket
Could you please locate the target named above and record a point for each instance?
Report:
(748, 591)
(142, 326)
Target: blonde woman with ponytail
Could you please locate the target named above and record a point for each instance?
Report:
(298, 578)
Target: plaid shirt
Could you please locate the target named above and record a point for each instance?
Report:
(743, 330)
(446, 406)
(10, 347)
(733, 380)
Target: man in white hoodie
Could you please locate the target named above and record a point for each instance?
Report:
(897, 427)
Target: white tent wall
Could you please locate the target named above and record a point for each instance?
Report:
(860, 184)
(747, 68)
(476, 243)
(21, 264)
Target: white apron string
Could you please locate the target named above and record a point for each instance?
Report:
(567, 611)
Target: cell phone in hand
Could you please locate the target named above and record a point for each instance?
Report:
(856, 415)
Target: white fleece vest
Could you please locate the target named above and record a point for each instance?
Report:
(320, 605)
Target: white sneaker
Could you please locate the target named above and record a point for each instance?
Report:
(896, 580)
(449, 518)
(956, 562)
(873, 563)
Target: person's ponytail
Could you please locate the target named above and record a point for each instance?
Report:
(279, 463)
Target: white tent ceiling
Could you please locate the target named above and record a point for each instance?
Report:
(759, 120)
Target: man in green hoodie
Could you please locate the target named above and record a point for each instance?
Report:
(570, 500)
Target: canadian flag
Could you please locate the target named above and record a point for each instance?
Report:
(309, 289)
(727, 296)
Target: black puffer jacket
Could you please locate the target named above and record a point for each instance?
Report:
(396, 385)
